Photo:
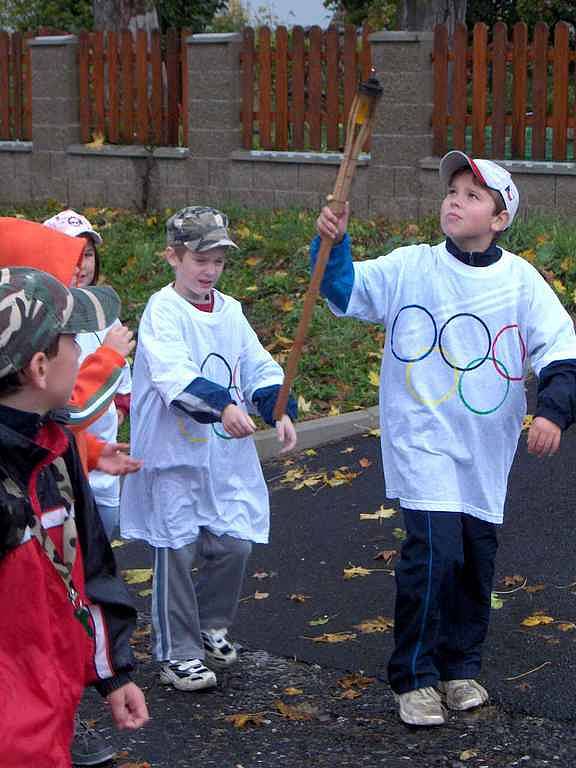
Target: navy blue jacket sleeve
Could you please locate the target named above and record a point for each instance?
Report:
(557, 393)
(203, 400)
(265, 399)
(338, 277)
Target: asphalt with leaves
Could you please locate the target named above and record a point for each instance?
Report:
(317, 607)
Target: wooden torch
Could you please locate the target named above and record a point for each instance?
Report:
(357, 131)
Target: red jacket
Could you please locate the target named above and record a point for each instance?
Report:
(46, 655)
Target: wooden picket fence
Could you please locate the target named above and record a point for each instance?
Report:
(297, 86)
(15, 87)
(133, 89)
(505, 97)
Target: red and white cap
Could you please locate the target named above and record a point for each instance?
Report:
(488, 173)
(73, 224)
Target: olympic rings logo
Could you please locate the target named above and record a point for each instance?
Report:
(438, 342)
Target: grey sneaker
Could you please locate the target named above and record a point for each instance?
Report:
(220, 652)
(89, 747)
(421, 707)
(462, 694)
(190, 675)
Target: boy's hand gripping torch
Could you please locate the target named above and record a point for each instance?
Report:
(358, 129)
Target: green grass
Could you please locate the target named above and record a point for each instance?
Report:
(269, 275)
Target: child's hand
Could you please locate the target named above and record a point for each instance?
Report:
(128, 707)
(330, 225)
(543, 437)
(286, 433)
(237, 422)
(114, 460)
(120, 338)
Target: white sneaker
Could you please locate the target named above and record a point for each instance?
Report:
(220, 652)
(190, 675)
(422, 706)
(462, 694)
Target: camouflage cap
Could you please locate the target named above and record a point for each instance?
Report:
(198, 228)
(35, 308)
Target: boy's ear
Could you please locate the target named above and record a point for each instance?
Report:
(36, 371)
(500, 221)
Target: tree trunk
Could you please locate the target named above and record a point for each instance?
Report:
(425, 14)
(122, 14)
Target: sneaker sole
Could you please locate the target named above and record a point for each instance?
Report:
(217, 663)
(183, 684)
(430, 721)
(467, 705)
(104, 756)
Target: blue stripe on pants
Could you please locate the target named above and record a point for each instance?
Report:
(443, 580)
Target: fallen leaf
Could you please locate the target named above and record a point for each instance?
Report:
(355, 680)
(374, 378)
(97, 142)
(242, 719)
(527, 421)
(468, 754)
(379, 624)
(297, 598)
(380, 514)
(386, 555)
(311, 452)
(348, 450)
(512, 581)
(261, 595)
(116, 543)
(260, 575)
(334, 411)
(364, 462)
(534, 588)
(286, 304)
(334, 637)
(536, 619)
(137, 575)
(292, 475)
(496, 602)
(356, 571)
(293, 691)
(320, 621)
(142, 632)
(304, 405)
(399, 533)
(373, 432)
(145, 593)
(296, 711)
(252, 261)
(566, 626)
(351, 693)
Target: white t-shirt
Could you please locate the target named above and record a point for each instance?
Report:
(106, 488)
(192, 475)
(459, 341)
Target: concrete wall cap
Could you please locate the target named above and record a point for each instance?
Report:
(214, 37)
(16, 146)
(517, 166)
(53, 40)
(400, 37)
(272, 156)
(129, 150)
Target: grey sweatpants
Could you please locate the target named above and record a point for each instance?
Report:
(184, 603)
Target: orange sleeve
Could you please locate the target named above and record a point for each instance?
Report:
(95, 387)
(94, 448)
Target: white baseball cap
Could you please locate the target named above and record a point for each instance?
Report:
(490, 174)
(73, 224)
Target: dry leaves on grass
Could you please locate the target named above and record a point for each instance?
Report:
(379, 624)
(243, 719)
(355, 680)
(296, 597)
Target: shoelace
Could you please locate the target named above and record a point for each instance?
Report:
(186, 666)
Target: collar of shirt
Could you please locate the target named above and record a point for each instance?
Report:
(475, 258)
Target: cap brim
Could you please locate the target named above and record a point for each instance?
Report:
(454, 161)
(224, 242)
(94, 309)
(91, 233)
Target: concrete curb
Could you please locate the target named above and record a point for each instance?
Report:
(319, 431)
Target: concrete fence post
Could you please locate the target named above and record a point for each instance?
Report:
(402, 133)
(55, 113)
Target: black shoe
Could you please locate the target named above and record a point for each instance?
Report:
(89, 747)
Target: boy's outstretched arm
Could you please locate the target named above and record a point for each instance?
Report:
(338, 278)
